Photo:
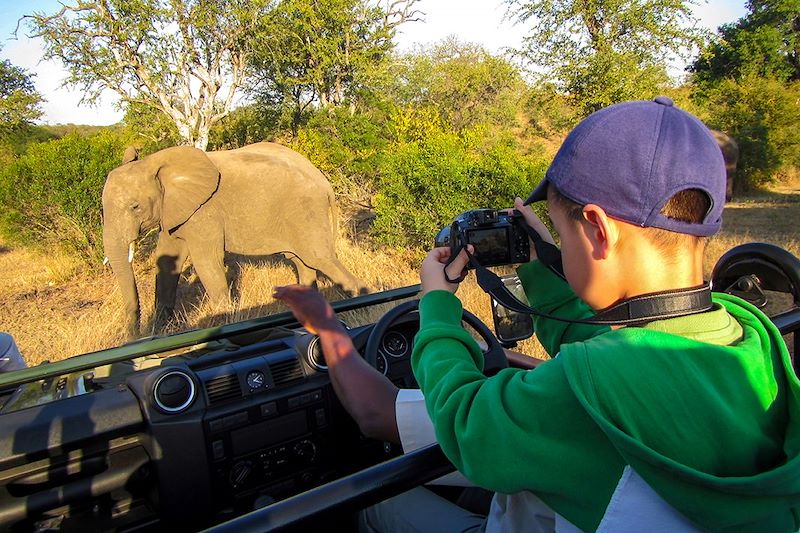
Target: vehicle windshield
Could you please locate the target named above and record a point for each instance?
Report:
(214, 168)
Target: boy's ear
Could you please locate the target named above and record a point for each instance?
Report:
(602, 230)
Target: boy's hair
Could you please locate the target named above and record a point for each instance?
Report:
(689, 205)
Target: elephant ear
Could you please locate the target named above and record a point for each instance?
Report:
(188, 178)
(131, 154)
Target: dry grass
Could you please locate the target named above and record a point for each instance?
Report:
(55, 309)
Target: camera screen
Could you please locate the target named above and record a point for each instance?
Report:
(491, 245)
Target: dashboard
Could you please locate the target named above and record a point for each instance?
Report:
(237, 428)
(194, 440)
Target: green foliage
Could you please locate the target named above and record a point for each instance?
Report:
(762, 114)
(603, 79)
(431, 174)
(149, 129)
(16, 141)
(748, 79)
(185, 59)
(347, 147)
(550, 114)
(321, 53)
(245, 125)
(604, 51)
(19, 101)
(51, 194)
(765, 42)
(462, 82)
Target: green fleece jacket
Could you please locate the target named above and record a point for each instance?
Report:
(704, 408)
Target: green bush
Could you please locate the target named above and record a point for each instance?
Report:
(341, 143)
(244, 125)
(426, 181)
(51, 194)
(762, 114)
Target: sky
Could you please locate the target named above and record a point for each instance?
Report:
(476, 21)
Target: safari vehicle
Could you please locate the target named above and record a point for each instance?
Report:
(238, 428)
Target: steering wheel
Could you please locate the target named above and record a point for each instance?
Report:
(494, 357)
(750, 269)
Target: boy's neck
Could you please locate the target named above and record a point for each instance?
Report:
(643, 268)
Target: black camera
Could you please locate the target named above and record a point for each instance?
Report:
(498, 236)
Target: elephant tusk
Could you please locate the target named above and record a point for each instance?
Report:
(130, 253)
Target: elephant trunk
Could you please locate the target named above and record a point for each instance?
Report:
(116, 245)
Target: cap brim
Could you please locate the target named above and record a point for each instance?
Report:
(538, 194)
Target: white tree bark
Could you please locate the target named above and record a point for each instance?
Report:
(171, 55)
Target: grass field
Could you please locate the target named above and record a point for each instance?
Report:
(55, 308)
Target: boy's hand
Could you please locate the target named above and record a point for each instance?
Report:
(431, 273)
(308, 307)
(534, 222)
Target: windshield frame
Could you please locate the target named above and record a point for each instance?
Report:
(152, 345)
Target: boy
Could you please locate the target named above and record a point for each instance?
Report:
(675, 424)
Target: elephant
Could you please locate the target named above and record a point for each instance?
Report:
(262, 199)
(730, 152)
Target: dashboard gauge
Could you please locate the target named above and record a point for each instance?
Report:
(255, 379)
(381, 364)
(395, 344)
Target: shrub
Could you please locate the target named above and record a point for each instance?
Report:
(244, 125)
(426, 180)
(52, 193)
(762, 115)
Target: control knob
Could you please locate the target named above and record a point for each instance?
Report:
(305, 450)
(239, 473)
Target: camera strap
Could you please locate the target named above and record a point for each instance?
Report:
(637, 310)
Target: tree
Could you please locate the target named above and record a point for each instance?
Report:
(748, 78)
(604, 51)
(19, 101)
(464, 83)
(184, 58)
(765, 42)
(319, 53)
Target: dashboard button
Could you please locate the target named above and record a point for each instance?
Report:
(218, 449)
(268, 409)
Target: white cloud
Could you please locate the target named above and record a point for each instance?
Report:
(475, 22)
(62, 105)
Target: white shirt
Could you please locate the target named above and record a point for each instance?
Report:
(634, 506)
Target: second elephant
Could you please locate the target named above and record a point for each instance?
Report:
(730, 152)
(258, 200)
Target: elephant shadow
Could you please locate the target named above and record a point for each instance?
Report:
(257, 311)
(269, 270)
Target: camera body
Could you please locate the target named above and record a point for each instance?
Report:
(498, 236)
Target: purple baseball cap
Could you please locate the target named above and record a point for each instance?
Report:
(630, 158)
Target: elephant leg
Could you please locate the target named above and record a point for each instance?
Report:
(208, 259)
(331, 267)
(305, 275)
(171, 254)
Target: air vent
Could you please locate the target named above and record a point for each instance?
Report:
(223, 388)
(286, 371)
(173, 392)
